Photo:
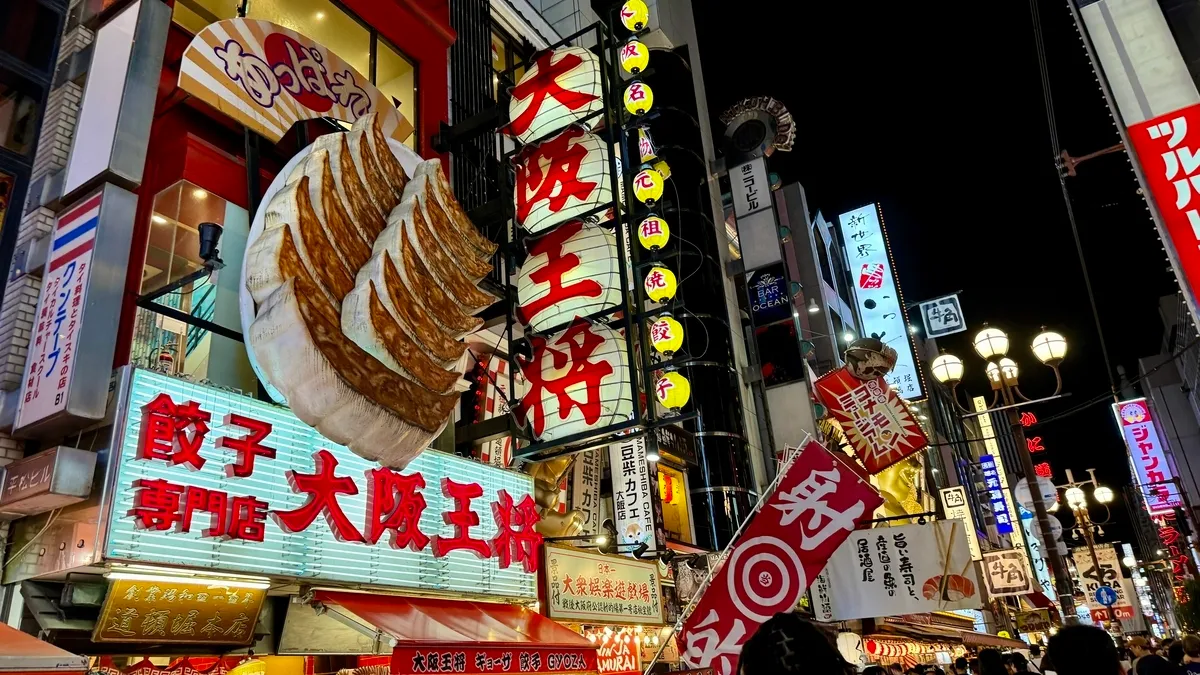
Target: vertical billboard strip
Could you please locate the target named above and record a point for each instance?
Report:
(877, 293)
(1147, 453)
(585, 490)
(633, 513)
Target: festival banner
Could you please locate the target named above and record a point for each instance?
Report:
(819, 501)
(877, 423)
(889, 571)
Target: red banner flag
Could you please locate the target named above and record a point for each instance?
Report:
(818, 502)
(877, 423)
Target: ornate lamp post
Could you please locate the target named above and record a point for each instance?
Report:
(1085, 527)
(1002, 373)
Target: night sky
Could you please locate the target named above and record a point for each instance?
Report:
(940, 118)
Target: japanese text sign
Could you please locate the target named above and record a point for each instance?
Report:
(878, 294)
(1041, 569)
(1148, 454)
(955, 506)
(1108, 574)
(619, 652)
(585, 490)
(560, 179)
(942, 316)
(577, 380)
(818, 503)
(1168, 153)
(562, 87)
(995, 492)
(268, 77)
(531, 660)
(751, 188)
(50, 366)
(210, 479)
(589, 587)
(887, 571)
(164, 611)
(633, 511)
(878, 425)
(1006, 572)
(571, 271)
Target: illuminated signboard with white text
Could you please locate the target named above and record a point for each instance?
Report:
(210, 479)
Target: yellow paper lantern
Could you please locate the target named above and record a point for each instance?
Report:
(666, 335)
(648, 186)
(635, 15)
(660, 284)
(653, 233)
(638, 98)
(635, 56)
(673, 390)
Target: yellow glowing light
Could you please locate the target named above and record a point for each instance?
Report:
(634, 56)
(666, 335)
(648, 186)
(635, 15)
(660, 284)
(653, 233)
(673, 390)
(639, 98)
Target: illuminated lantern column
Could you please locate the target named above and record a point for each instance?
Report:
(722, 482)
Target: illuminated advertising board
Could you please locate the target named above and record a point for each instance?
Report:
(877, 293)
(209, 479)
(1148, 454)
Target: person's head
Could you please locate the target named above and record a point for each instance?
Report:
(1083, 650)
(1017, 663)
(874, 670)
(1035, 651)
(1153, 664)
(896, 668)
(1139, 646)
(1006, 659)
(1191, 646)
(960, 665)
(991, 663)
(787, 644)
(1175, 652)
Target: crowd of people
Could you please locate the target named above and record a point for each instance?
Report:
(788, 644)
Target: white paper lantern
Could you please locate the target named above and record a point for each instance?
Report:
(559, 89)
(571, 271)
(561, 179)
(578, 380)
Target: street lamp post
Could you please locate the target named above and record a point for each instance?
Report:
(1002, 372)
(1077, 501)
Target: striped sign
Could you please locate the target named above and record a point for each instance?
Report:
(50, 363)
(268, 77)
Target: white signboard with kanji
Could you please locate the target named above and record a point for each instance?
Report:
(1006, 572)
(942, 316)
(561, 178)
(633, 511)
(561, 88)
(585, 489)
(908, 569)
(571, 271)
(954, 502)
(213, 480)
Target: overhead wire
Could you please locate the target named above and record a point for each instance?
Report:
(1056, 147)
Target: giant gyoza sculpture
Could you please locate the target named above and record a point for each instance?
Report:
(364, 283)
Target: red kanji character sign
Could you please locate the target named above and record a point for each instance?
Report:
(395, 504)
(322, 488)
(156, 505)
(247, 447)
(516, 540)
(551, 273)
(553, 174)
(1044, 470)
(560, 88)
(173, 432)
(564, 376)
(462, 518)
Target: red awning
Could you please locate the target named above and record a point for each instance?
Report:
(23, 653)
(459, 636)
(1040, 600)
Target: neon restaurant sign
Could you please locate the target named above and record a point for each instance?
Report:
(211, 479)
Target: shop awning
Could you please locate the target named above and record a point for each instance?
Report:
(947, 634)
(23, 653)
(470, 637)
(988, 640)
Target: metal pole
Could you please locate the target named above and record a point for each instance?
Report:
(1062, 582)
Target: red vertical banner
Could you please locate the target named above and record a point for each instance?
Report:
(877, 423)
(1170, 156)
(819, 501)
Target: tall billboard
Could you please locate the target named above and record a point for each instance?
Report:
(1148, 455)
(877, 293)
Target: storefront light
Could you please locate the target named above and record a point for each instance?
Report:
(166, 578)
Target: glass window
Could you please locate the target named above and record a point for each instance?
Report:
(396, 77)
(822, 255)
(18, 115)
(332, 26)
(174, 335)
(506, 53)
(28, 31)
